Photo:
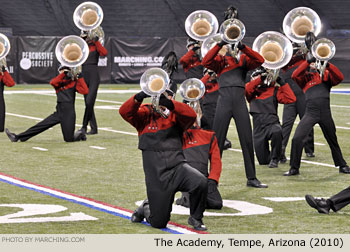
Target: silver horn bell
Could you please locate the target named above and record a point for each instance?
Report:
(201, 24)
(154, 82)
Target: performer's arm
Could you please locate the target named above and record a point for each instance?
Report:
(299, 74)
(251, 88)
(7, 79)
(215, 160)
(253, 58)
(56, 82)
(285, 95)
(101, 49)
(82, 88)
(133, 114)
(334, 75)
(185, 115)
(212, 61)
(186, 59)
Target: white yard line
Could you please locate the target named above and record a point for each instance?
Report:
(40, 149)
(97, 147)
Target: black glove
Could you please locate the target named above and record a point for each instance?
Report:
(163, 101)
(68, 74)
(310, 58)
(327, 65)
(280, 81)
(95, 39)
(212, 185)
(140, 96)
(80, 75)
(3, 69)
(240, 45)
(195, 48)
(222, 43)
(263, 76)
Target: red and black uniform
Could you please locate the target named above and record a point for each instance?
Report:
(200, 146)
(209, 101)
(164, 164)
(65, 110)
(231, 102)
(317, 111)
(191, 64)
(263, 107)
(291, 110)
(92, 79)
(5, 80)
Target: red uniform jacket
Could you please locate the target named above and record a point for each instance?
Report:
(311, 82)
(262, 99)
(155, 132)
(6, 78)
(249, 60)
(60, 84)
(102, 51)
(200, 146)
(190, 60)
(210, 86)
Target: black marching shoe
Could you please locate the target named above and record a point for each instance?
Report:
(183, 201)
(344, 169)
(321, 205)
(283, 159)
(273, 163)
(197, 224)
(92, 132)
(227, 144)
(310, 154)
(255, 183)
(12, 136)
(291, 172)
(141, 212)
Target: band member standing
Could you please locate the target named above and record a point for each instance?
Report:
(210, 98)
(317, 111)
(291, 110)
(5, 80)
(191, 61)
(92, 78)
(165, 167)
(65, 86)
(263, 100)
(231, 101)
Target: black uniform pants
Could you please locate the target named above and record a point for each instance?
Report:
(316, 112)
(232, 104)
(64, 114)
(263, 133)
(92, 79)
(208, 109)
(164, 177)
(340, 200)
(290, 112)
(2, 108)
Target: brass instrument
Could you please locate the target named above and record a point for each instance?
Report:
(298, 22)
(323, 50)
(72, 51)
(5, 47)
(232, 31)
(277, 51)
(154, 82)
(201, 24)
(88, 17)
(192, 91)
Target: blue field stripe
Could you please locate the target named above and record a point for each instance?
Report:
(341, 92)
(87, 205)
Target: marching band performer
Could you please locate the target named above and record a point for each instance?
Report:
(5, 80)
(191, 61)
(231, 101)
(318, 110)
(92, 78)
(263, 101)
(164, 164)
(65, 85)
(291, 110)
